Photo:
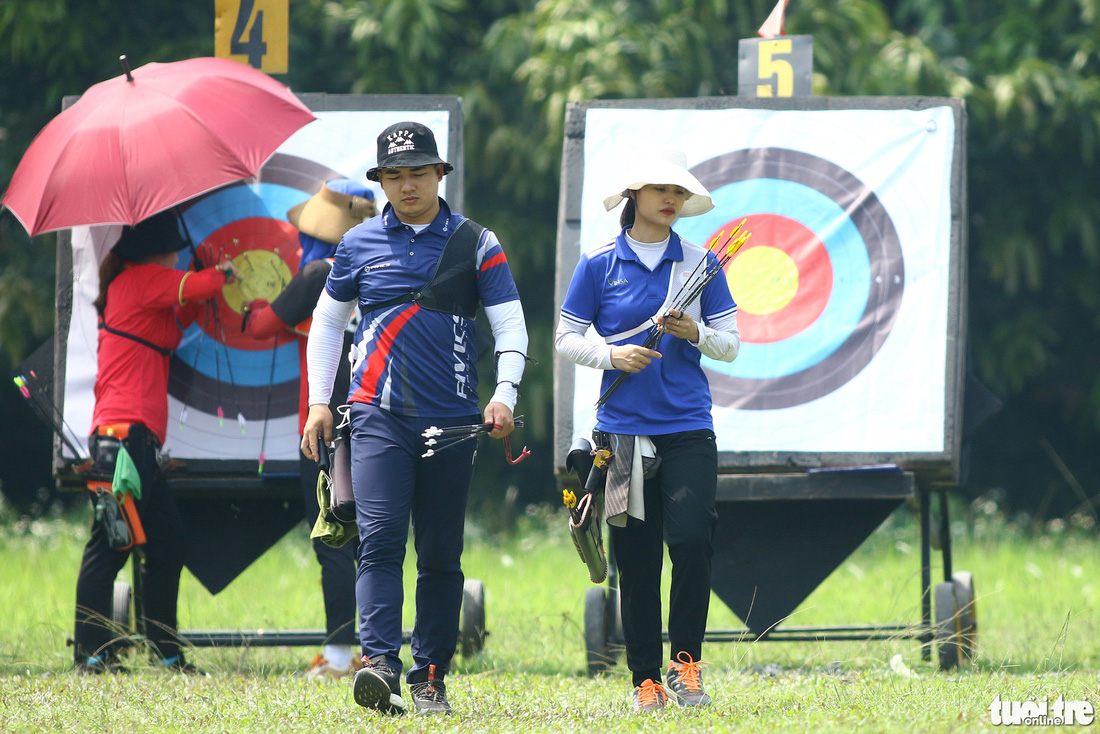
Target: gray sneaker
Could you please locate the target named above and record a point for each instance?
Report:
(685, 680)
(430, 696)
(649, 696)
(377, 686)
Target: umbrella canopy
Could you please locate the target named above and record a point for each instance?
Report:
(147, 140)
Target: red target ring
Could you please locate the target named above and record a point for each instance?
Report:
(821, 335)
(783, 277)
(265, 253)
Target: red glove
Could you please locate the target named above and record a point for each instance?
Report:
(259, 321)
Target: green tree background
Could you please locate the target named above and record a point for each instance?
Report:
(1029, 73)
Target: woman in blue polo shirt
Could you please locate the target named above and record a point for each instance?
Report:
(663, 406)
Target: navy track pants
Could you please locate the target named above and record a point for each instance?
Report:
(394, 484)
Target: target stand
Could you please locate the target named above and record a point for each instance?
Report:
(846, 399)
(780, 535)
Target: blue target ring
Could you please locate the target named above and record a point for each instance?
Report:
(228, 205)
(863, 248)
(847, 252)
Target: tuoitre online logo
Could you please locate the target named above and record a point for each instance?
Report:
(1041, 713)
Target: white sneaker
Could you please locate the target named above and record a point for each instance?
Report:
(322, 668)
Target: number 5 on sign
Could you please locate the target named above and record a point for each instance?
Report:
(253, 32)
(775, 67)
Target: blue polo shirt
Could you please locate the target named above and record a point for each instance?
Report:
(612, 290)
(410, 360)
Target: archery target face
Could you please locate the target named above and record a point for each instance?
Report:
(819, 283)
(843, 287)
(223, 384)
(783, 286)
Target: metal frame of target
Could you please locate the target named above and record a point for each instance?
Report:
(233, 399)
(828, 420)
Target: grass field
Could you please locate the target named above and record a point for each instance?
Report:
(1037, 597)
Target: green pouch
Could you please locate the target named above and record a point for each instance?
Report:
(126, 478)
(330, 532)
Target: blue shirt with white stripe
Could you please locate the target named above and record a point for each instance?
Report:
(410, 360)
(615, 292)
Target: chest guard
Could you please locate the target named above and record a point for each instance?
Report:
(453, 286)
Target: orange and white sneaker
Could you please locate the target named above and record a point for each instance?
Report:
(685, 680)
(649, 696)
(322, 668)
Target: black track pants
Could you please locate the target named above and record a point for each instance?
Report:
(679, 510)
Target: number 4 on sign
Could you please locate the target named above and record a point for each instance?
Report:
(253, 32)
(254, 48)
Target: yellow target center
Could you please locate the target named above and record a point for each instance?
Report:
(762, 280)
(262, 274)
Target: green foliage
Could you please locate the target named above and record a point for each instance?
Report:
(26, 295)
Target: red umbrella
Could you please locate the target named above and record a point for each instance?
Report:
(145, 141)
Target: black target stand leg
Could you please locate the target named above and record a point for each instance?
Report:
(925, 572)
(945, 536)
(137, 561)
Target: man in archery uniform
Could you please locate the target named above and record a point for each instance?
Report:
(417, 272)
(321, 221)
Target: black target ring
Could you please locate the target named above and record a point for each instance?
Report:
(886, 283)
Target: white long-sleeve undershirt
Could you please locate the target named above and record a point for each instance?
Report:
(326, 345)
(720, 340)
(510, 339)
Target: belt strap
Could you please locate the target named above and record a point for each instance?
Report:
(118, 430)
(138, 339)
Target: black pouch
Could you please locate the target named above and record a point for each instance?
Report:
(343, 499)
(579, 459)
(119, 517)
(106, 455)
(110, 513)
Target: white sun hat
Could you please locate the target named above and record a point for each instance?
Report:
(662, 167)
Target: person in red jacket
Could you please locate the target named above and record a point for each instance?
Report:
(321, 221)
(144, 304)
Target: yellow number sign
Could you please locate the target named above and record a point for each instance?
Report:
(254, 32)
(772, 64)
(775, 67)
